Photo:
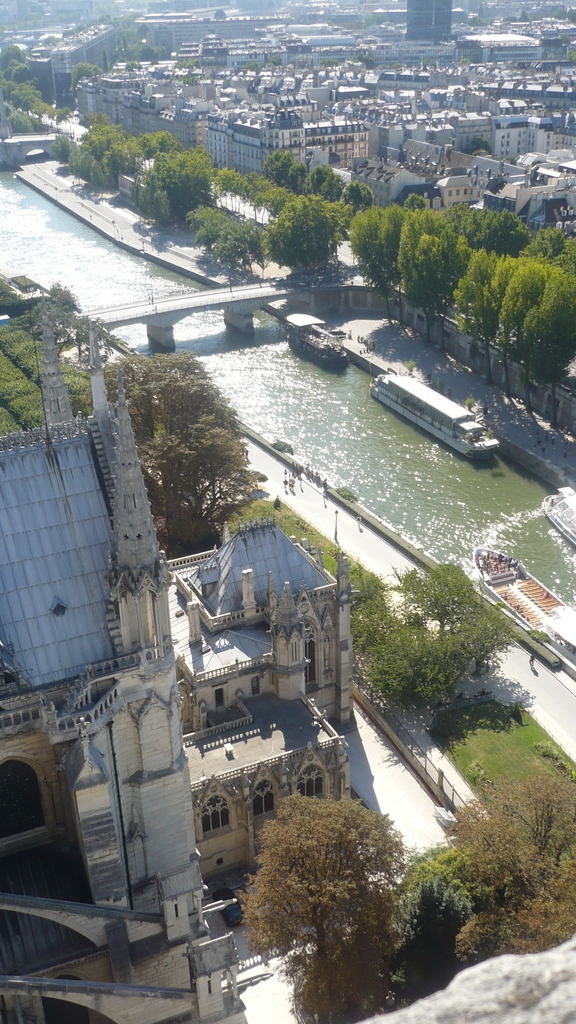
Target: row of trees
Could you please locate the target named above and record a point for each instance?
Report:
(357, 920)
(507, 290)
(24, 104)
(413, 642)
(312, 212)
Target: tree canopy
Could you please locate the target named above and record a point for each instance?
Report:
(375, 242)
(324, 898)
(192, 453)
(520, 847)
(306, 232)
(415, 652)
(282, 170)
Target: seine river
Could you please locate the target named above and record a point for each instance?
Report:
(435, 498)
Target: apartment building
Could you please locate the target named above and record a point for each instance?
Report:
(244, 141)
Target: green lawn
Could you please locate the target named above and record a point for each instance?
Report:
(490, 735)
(292, 525)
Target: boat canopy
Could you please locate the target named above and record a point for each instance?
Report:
(303, 320)
(431, 398)
(563, 623)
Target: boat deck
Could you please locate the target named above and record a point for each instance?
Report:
(526, 596)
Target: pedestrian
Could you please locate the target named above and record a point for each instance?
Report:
(531, 661)
(359, 521)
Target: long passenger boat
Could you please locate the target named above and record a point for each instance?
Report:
(307, 337)
(533, 604)
(440, 416)
(561, 511)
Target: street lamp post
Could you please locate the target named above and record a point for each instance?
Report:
(336, 541)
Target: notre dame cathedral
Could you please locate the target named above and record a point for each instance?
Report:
(152, 715)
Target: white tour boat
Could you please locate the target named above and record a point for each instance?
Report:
(561, 510)
(440, 416)
(533, 604)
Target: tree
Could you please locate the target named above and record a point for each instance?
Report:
(186, 178)
(432, 259)
(517, 845)
(358, 195)
(208, 225)
(9, 54)
(433, 910)
(323, 182)
(524, 293)
(549, 244)
(500, 232)
(282, 169)
(324, 899)
(476, 303)
(479, 144)
(375, 242)
(239, 246)
(152, 143)
(551, 327)
(230, 182)
(190, 446)
(415, 202)
(505, 269)
(414, 653)
(62, 148)
(84, 70)
(25, 97)
(305, 234)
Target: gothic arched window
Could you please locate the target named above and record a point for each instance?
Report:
(311, 781)
(215, 814)
(263, 800)
(20, 799)
(310, 655)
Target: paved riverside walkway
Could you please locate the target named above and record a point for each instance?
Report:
(122, 226)
(549, 696)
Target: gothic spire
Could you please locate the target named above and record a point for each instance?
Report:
(54, 393)
(286, 618)
(135, 544)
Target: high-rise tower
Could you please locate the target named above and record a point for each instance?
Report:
(429, 20)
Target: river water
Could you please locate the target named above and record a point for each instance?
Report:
(435, 498)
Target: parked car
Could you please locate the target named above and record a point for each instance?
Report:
(232, 914)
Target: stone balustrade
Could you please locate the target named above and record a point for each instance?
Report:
(20, 721)
(284, 758)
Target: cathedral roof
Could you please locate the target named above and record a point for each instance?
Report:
(262, 547)
(54, 545)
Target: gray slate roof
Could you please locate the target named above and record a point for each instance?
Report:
(54, 541)
(263, 548)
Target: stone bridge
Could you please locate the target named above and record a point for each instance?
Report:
(13, 152)
(160, 315)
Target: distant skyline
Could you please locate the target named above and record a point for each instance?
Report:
(429, 20)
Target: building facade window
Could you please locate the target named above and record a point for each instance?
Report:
(311, 781)
(255, 685)
(215, 814)
(263, 800)
(219, 697)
